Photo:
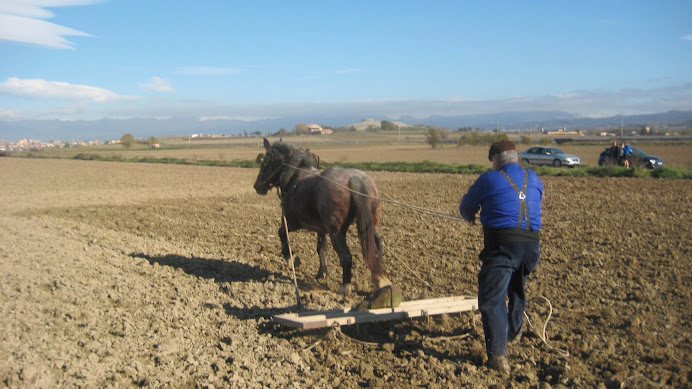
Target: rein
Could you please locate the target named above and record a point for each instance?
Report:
(273, 174)
(413, 207)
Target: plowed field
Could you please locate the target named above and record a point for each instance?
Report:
(120, 275)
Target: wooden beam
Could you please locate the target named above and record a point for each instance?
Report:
(406, 310)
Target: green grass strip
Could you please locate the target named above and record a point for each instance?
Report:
(406, 167)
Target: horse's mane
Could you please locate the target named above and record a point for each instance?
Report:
(299, 157)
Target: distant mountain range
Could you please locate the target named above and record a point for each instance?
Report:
(553, 120)
(106, 129)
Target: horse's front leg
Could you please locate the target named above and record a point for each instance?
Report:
(285, 251)
(380, 280)
(339, 243)
(322, 252)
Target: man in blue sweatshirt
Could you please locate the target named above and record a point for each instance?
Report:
(509, 198)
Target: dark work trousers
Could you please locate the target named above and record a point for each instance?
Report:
(505, 268)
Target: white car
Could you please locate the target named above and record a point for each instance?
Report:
(548, 156)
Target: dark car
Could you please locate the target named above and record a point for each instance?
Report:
(638, 158)
(549, 156)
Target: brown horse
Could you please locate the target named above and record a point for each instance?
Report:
(326, 202)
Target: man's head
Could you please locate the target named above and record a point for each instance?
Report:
(502, 152)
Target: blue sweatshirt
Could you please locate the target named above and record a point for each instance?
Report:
(499, 203)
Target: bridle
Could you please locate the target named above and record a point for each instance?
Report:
(271, 176)
(266, 181)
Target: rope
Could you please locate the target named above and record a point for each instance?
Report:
(415, 208)
(409, 269)
(542, 334)
(290, 259)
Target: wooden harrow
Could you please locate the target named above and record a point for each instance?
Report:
(406, 310)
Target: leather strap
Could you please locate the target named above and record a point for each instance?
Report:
(523, 208)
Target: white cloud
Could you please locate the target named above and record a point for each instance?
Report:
(43, 89)
(245, 118)
(157, 84)
(21, 21)
(9, 114)
(687, 37)
(208, 71)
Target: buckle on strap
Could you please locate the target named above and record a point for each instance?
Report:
(522, 196)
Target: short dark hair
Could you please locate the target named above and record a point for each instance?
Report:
(498, 147)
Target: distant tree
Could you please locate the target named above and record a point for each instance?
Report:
(525, 139)
(127, 140)
(444, 132)
(301, 129)
(545, 141)
(433, 137)
(471, 138)
(153, 140)
(388, 126)
(500, 136)
(282, 132)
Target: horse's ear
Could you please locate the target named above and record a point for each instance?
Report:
(266, 144)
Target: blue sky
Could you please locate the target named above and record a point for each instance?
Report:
(82, 59)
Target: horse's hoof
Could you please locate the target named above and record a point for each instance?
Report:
(383, 283)
(296, 261)
(345, 289)
(387, 297)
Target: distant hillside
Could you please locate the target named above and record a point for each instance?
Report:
(501, 120)
(551, 120)
(368, 123)
(106, 129)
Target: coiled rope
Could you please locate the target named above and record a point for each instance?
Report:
(542, 334)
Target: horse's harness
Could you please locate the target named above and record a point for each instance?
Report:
(281, 166)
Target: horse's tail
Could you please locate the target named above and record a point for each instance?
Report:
(366, 203)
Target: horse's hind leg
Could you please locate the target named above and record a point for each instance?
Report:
(322, 252)
(339, 243)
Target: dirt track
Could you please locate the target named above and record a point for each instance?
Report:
(116, 274)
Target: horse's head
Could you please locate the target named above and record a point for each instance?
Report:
(271, 164)
(276, 165)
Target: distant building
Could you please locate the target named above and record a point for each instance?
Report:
(316, 129)
(561, 131)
